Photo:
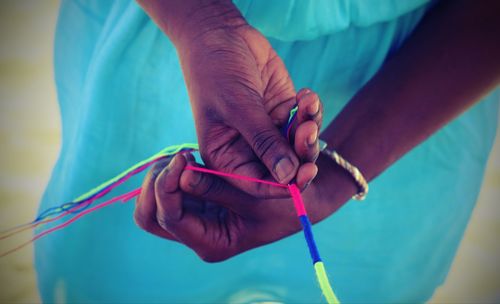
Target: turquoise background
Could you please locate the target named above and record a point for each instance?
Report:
(401, 241)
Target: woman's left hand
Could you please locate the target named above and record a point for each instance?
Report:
(207, 214)
(219, 221)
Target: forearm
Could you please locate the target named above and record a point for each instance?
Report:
(447, 65)
(184, 20)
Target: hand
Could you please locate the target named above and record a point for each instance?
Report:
(239, 90)
(216, 219)
(207, 214)
(241, 95)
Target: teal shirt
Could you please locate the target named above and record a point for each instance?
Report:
(123, 98)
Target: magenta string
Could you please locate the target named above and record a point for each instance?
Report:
(294, 192)
(124, 197)
(236, 176)
(297, 199)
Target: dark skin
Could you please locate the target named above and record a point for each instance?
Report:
(446, 66)
(187, 197)
(239, 89)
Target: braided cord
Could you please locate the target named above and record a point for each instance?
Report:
(353, 170)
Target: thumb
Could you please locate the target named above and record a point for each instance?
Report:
(269, 145)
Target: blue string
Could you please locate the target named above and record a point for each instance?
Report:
(311, 244)
(291, 119)
(70, 205)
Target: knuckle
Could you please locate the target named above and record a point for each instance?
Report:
(142, 222)
(214, 146)
(161, 186)
(220, 157)
(212, 186)
(162, 222)
(303, 92)
(263, 141)
(158, 167)
(208, 153)
(240, 87)
(194, 179)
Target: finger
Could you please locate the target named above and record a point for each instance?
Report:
(167, 193)
(171, 202)
(145, 210)
(171, 213)
(306, 141)
(206, 234)
(213, 188)
(310, 108)
(239, 159)
(307, 173)
(302, 92)
(189, 156)
(268, 144)
(175, 213)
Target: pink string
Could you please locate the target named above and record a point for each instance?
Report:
(8, 233)
(292, 188)
(297, 199)
(36, 224)
(124, 197)
(251, 179)
(130, 195)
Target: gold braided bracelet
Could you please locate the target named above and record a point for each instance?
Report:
(355, 173)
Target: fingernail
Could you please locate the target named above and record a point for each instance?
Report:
(313, 110)
(283, 168)
(303, 92)
(167, 174)
(187, 156)
(195, 179)
(172, 163)
(312, 138)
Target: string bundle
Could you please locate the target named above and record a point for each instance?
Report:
(81, 206)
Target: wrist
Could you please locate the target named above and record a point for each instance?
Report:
(330, 190)
(186, 21)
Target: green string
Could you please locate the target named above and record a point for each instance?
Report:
(171, 150)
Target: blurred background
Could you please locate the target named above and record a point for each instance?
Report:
(29, 142)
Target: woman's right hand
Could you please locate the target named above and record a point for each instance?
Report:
(241, 95)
